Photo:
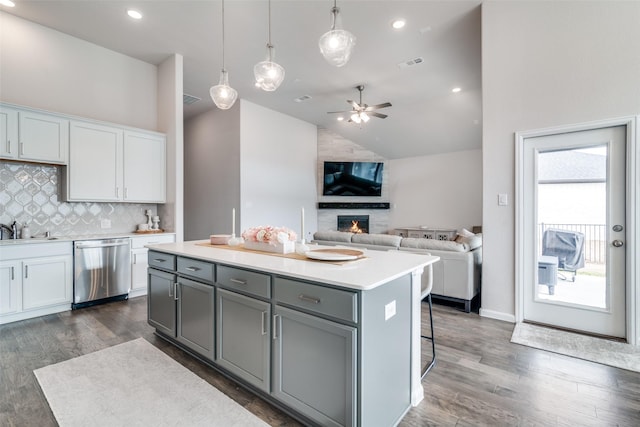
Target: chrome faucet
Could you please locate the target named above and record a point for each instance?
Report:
(13, 234)
(14, 230)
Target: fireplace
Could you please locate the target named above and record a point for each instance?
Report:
(353, 223)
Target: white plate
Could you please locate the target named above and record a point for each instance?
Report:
(330, 256)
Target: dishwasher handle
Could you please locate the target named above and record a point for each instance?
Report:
(101, 245)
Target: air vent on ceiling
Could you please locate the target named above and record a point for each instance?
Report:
(189, 99)
(411, 62)
(302, 98)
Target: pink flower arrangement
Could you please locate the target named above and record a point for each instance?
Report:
(269, 234)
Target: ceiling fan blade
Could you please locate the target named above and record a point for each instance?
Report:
(375, 107)
(339, 112)
(353, 104)
(378, 115)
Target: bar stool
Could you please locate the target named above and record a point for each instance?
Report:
(427, 285)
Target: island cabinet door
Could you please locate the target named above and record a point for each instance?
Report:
(243, 338)
(161, 302)
(195, 312)
(315, 367)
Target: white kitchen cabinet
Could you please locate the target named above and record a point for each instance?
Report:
(139, 260)
(8, 132)
(94, 172)
(111, 164)
(33, 136)
(144, 167)
(10, 287)
(35, 280)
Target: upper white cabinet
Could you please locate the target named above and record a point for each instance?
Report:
(8, 133)
(33, 136)
(110, 164)
(144, 167)
(94, 172)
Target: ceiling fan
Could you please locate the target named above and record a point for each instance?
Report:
(363, 112)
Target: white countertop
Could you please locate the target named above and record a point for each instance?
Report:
(377, 268)
(55, 239)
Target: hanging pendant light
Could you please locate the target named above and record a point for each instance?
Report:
(223, 95)
(336, 44)
(269, 75)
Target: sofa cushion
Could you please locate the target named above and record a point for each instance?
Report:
(473, 240)
(442, 245)
(334, 236)
(377, 239)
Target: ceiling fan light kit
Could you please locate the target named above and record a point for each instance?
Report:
(336, 45)
(361, 113)
(268, 74)
(223, 95)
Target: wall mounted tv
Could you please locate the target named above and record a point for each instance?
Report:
(352, 179)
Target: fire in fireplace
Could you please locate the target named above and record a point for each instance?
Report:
(353, 223)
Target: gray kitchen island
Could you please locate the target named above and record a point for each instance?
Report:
(333, 344)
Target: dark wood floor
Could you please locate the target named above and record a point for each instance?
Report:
(481, 379)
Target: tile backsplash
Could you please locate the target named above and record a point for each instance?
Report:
(29, 193)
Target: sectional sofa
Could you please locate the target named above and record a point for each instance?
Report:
(456, 277)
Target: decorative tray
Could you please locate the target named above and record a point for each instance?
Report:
(334, 254)
(149, 231)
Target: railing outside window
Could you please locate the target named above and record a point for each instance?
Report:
(595, 239)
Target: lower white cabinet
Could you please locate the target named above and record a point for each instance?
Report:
(37, 281)
(139, 260)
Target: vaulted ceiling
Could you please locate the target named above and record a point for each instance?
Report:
(426, 117)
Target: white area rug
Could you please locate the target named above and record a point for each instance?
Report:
(135, 384)
(597, 350)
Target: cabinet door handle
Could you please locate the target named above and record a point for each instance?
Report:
(13, 273)
(126, 192)
(21, 150)
(238, 281)
(193, 269)
(9, 146)
(158, 260)
(175, 291)
(264, 322)
(313, 300)
(275, 326)
(172, 287)
(117, 192)
(26, 271)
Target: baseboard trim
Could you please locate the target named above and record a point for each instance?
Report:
(498, 315)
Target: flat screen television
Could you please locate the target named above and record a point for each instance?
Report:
(352, 179)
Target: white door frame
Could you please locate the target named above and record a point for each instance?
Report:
(632, 124)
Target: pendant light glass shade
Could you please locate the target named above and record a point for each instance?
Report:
(223, 95)
(336, 45)
(269, 75)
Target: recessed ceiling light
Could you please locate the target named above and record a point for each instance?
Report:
(134, 14)
(7, 3)
(456, 90)
(398, 23)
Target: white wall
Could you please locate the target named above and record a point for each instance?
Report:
(46, 69)
(545, 64)
(212, 173)
(278, 169)
(170, 122)
(443, 190)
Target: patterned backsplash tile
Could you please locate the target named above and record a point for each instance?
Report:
(29, 193)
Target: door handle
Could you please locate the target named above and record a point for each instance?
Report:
(617, 243)
(12, 273)
(172, 287)
(26, 271)
(264, 322)
(175, 291)
(275, 326)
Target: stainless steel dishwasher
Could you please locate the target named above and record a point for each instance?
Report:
(102, 271)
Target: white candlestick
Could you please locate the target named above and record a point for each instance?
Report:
(233, 222)
(302, 225)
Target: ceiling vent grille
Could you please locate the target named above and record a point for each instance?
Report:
(411, 62)
(302, 98)
(189, 99)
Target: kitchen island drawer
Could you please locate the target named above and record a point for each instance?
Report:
(330, 302)
(195, 268)
(162, 260)
(249, 282)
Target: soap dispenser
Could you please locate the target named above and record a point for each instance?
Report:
(26, 232)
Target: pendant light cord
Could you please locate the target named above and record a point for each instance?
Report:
(223, 68)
